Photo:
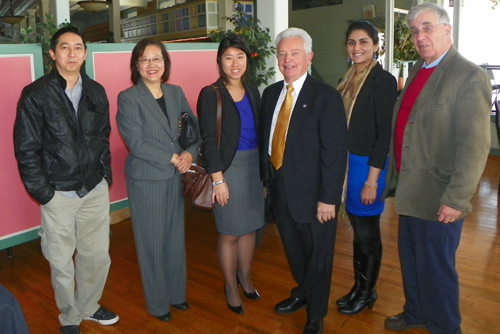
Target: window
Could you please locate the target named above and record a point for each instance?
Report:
(202, 21)
(131, 13)
(185, 24)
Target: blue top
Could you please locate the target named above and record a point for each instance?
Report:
(248, 134)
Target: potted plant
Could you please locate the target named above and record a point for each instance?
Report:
(404, 52)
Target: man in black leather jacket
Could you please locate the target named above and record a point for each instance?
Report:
(62, 149)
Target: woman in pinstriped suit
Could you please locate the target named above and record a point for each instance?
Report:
(148, 116)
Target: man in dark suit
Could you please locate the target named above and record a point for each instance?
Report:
(439, 147)
(304, 157)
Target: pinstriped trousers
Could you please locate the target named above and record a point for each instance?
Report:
(157, 212)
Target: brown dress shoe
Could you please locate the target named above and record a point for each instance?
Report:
(397, 323)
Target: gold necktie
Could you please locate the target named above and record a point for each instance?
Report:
(278, 145)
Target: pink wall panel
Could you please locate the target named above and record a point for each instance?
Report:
(111, 71)
(193, 71)
(190, 70)
(17, 210)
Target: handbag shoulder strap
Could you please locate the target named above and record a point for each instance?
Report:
(218, 128)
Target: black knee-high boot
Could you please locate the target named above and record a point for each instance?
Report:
(366, 295)
(356, 256)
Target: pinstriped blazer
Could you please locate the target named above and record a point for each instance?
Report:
(150, 137)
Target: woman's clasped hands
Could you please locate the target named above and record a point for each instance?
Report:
(182, 161)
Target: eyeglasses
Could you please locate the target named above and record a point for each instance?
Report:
(155, 60)
(425, 30)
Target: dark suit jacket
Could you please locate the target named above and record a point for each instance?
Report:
(369, 131)
(316, 147)
(219, 160)
(150, 137)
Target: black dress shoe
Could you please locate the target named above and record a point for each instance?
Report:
(250, 295)
(398, 323)
(70, 329)
(236, 309)
(183, 306)
(290, 305)
(313, 326)
(165, 317)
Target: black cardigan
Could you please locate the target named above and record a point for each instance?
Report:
(370, 126)
(219, 160)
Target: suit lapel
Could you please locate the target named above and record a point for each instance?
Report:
(224, 92)
(274, 94)
(301, 107)
(369, 84)
(173, 110)
(151, 106)
(253, 104)
(410, 78)
(428, 89)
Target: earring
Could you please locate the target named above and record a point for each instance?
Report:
(375, 56)
(349, 60)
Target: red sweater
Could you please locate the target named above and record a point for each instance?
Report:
(404, 112)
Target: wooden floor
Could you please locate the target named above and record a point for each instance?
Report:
(27, 276)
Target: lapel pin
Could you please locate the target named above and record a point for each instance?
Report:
(304, 105)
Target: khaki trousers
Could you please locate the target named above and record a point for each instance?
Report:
(81, 225)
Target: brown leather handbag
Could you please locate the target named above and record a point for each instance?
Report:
(197, 183)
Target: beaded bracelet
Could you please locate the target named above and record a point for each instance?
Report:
(371, 186)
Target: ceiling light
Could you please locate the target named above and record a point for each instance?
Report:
(11, 19)
(93, 5)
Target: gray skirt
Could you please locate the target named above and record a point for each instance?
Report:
(244, 212)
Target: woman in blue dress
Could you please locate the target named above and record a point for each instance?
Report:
(369, 94)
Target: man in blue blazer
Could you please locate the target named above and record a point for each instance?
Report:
(306, 179)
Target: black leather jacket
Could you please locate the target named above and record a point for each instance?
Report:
(54, 149)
